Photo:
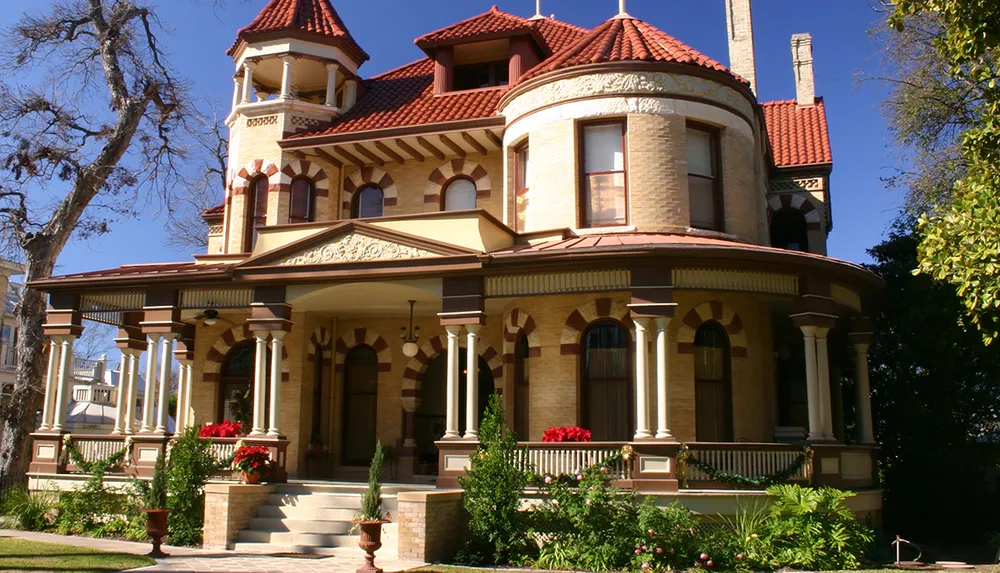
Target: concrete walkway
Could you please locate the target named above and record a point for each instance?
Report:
(191, 560)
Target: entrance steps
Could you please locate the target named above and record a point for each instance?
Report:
(315, 518)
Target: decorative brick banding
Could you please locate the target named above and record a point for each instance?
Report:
(413, 375)
(369, 176)
(579, 319)
(311, 171)
(814, 219)
(720, 313)
(457, 168)
(226, 341)
(241, 180)
(364, 337)
(321, 338)
(518, 322)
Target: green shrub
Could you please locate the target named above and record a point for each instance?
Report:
(668, 538)
(493, 486)
(371, 500)
(92, 509)
(156, 496)
(191, 465)
(29, 511)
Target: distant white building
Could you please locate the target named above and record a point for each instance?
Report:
(95, 394)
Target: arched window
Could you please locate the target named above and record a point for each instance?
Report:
(302, 203)
(369, 202)
(256, 213)
(360, 406)
(236, 384)
(789, 230)
(606, 385)
(459, 195)
(522, 377)
(713, 386)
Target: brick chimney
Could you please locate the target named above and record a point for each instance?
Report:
(802, 63)
(739, 23)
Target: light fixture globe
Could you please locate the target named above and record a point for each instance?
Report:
(410, 349)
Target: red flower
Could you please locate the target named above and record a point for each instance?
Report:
(566, 434)
(249, 459)
(224, 429)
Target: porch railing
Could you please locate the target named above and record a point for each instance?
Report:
(94, 448)
(749, 460)
(546, 458)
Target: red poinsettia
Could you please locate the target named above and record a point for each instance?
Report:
(224, 429)
(566, 434)
(249, 459)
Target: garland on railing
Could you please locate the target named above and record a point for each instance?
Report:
(686, 458)
(118, 458)
(605, 466)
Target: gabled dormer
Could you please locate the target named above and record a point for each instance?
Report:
(492, 49)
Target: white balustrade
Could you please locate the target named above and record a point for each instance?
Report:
(95, 449)
(545, 459)
(748, 462)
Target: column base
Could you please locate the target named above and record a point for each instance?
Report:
(257, 432)
(471, 436)
(664, 435)
(275, 434)
(451, 436)
(643, 435)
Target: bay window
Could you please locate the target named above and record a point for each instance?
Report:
(604, 187)
(704, 182)
(521, 160)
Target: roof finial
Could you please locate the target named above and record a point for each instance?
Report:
(538, 11)
(621, 10)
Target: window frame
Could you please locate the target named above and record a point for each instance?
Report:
(718, 201)
(584, 379)
(356, 201)
(250, 211)
(311, 211)
(519, 174)
(581, 150)
(444, 192)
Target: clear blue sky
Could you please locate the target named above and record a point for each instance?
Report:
(863, 208)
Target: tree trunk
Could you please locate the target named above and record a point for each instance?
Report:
(18, 416)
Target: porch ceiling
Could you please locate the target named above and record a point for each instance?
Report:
(368, 298)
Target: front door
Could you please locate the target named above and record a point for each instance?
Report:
(360, 406)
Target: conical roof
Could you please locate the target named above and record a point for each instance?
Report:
(314, 18)
(626, 39)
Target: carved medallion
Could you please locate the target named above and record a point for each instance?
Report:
(355, 248)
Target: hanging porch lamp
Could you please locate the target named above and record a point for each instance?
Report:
(410, 336)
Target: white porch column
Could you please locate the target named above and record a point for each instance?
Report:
(132, 380)
(823, 379)
(451, 414)
(641, 379)
(65, 376)
(51, 383)
(237, 90)
(331, 84)
(812, 383)
(121, 404)
(276, 343)
(286, 76)
(188, 367)
(163, 393)
(259, 383)
(663, 379)
(471, 382)
(149, 394)
(179, 420)
(866, 435)
(248, 81)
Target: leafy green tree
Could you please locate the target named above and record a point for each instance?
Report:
(935, 394)
(961, 236)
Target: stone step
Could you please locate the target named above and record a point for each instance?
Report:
(306, 512)
(300, 525)
(292, 538)
(324, 500)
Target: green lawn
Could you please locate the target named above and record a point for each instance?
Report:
(19, 555)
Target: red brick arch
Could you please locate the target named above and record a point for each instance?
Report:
(457, 168)
(364, 337)
(369, 176)
(413, 375)
(323, 340)
(225, 342)
(519, 322)
(800, 203)
(712, 311)
(583, 315)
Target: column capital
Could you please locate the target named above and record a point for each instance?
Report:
(261, 335)
(473, 328)
(453, 330)
(278, 334)
(641, 322)
(818, 319)
(288, 58)
(809, 330)
(861, 339)
(663, 322)
(822, 332)
(249, 65)
(332, 66)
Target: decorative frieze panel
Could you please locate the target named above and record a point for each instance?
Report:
(746, 281)
(215, 230)
(786, 185)
(262, 121)
(307, 122)
(110, 301)
(355, 248)
(202, 298)
(557, 283)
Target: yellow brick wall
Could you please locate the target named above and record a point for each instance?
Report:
(657, 175)
(741, 195)
(553, 201)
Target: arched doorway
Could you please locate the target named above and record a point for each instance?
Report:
(606, 382)
(360, 413)
(236, 384)
(789, 230)
(713, 384)
(429, 421)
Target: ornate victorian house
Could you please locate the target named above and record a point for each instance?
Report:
(603, 225)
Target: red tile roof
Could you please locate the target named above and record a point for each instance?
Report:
(405, 96)
(798, 134)
(492, 24)
(623, 39)
(146, 270)
(214, 211)
(310, 16)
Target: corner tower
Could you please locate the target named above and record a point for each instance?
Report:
(296, 69)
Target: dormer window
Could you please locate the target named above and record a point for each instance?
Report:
(482, 75)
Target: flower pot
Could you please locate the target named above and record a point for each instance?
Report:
(371, 541)
(156, 528)
(252, 478)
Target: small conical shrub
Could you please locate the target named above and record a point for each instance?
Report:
(156, 497)
(371, 501)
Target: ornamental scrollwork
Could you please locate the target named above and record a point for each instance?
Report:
(355, 248)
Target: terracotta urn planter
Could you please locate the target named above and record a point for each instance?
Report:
(371, 541)
(156, 528)
(252, 478)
